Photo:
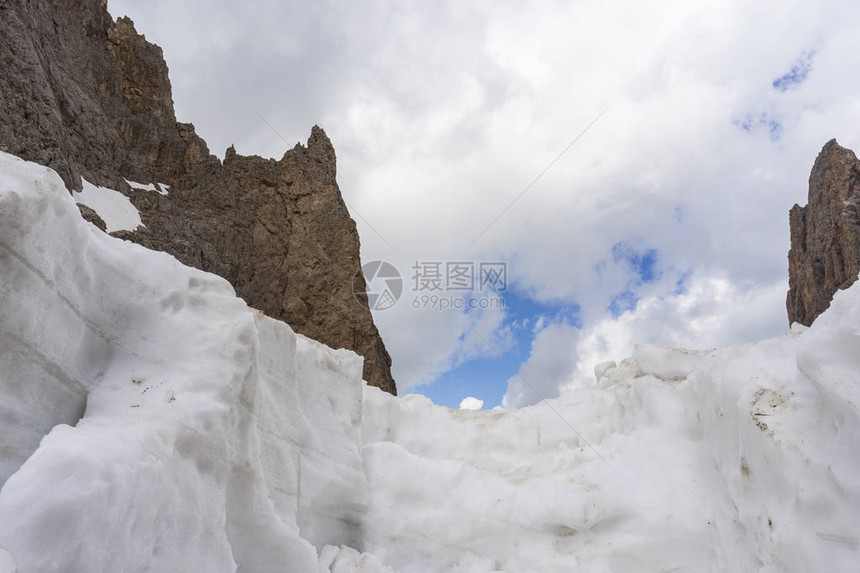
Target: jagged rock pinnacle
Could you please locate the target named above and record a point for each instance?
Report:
(825, 235)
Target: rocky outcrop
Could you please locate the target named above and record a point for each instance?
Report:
(92, 217)
(825, 235)
(280, 232)
(90, 97)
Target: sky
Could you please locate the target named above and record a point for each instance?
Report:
(623, 171)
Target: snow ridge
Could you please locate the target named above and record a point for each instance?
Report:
(152, 421)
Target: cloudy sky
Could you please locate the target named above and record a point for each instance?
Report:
(632, 163)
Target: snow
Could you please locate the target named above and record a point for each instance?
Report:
(740, 459)
(210, 433)
(151, 420)
(156, 187)
(113, 207)
(342, 559)
(7, 564)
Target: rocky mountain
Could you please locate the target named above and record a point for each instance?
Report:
(825, 235)
(90, 97)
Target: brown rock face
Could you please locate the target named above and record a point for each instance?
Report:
(90, 97)
(825, 235)
(87, 96)
(280, 232)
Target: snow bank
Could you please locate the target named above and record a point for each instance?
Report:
(740, 459)
(190, 432)
(149, 420)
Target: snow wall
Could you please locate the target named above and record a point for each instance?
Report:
(152, 421)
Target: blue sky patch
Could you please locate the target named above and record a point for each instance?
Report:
(622, 302)
(762, 122)
(521, 307)
(486, 378)
(642, 263)
(644, 266)
(682, 284)
(797, 75)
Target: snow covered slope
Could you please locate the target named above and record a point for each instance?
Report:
(741, 459)
(151, 421)
(210, 433)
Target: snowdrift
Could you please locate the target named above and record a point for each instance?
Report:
(151, 421)
(183, 431)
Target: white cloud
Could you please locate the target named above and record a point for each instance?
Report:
(442, 114)
(430, 332)
(711, 313)
(470, 403)
(551, 361)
